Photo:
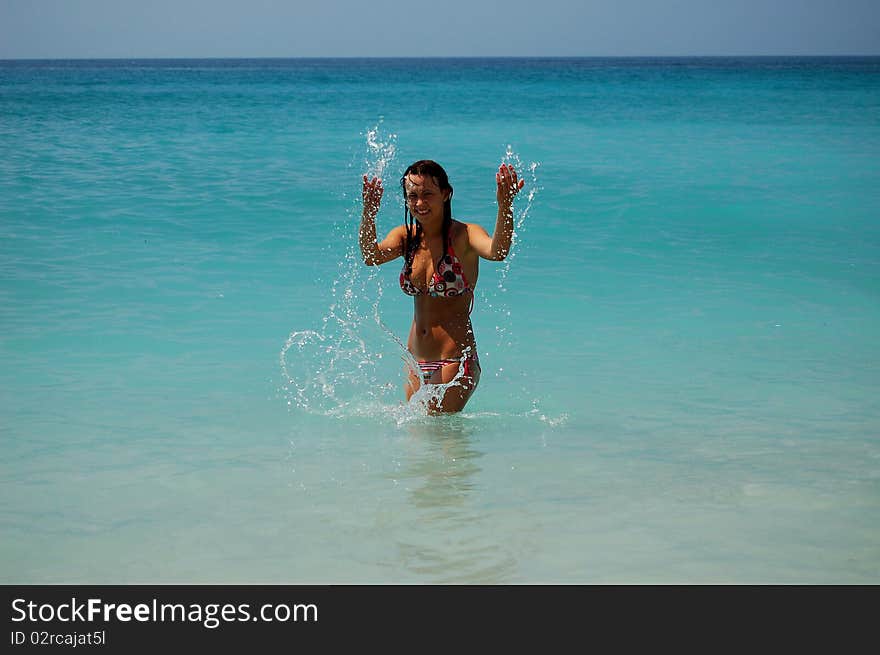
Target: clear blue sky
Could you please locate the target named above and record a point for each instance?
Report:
(346, 28)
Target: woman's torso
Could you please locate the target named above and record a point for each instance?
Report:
(441, 325)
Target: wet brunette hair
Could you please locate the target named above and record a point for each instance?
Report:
(427, 168)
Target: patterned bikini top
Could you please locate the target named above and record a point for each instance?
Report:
(448, 280)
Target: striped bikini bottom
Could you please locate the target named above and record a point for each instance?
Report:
(429, 368)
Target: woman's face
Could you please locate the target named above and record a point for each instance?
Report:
(425, 198)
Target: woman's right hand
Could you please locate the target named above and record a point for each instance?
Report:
(372, 196)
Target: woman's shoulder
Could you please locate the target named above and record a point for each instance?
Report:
(459, 230)
(462, 227)
(398, 231)
(394, 238)
(467, 230)
(465, 235)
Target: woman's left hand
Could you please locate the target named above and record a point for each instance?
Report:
(508, 184)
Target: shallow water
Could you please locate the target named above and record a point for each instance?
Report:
(200, 383)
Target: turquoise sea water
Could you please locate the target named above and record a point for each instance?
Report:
(200, 383)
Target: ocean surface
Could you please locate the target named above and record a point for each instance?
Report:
(201, 383)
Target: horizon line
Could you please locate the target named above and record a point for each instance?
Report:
(422, 57)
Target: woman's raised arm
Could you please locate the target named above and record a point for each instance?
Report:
(391, 247)
(497, 246)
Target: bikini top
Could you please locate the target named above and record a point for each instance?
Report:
(448, 279)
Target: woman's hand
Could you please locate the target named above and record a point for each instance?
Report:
(508, 185)
(372, 196)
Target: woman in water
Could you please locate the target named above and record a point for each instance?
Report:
(441, 259)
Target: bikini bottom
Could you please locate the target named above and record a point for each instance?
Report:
(429, 368)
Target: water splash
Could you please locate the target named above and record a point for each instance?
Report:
(334, 368)
(530, 174)
(497, 304)
(381, 151)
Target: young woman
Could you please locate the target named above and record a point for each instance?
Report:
(441, 259)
